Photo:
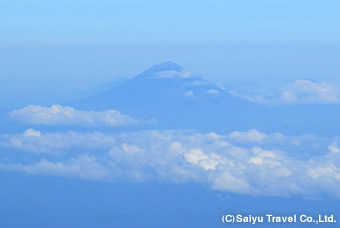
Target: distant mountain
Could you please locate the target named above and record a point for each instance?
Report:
(173, 97)
(101, 88)
(178, 100)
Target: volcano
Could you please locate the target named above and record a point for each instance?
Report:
(176, 99)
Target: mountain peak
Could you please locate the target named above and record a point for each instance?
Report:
(163, 70)
(166, 66)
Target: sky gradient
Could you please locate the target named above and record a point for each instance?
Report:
(44, 43)
(132, 22)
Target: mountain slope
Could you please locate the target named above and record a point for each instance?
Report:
(174, 98)
(177, 100)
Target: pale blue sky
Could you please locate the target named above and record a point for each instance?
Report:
(87, 42)
(185, 21)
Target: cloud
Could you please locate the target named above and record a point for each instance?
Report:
(333, 148)
(298, 92)
(305, 91)
(32, 133)
(84, 167)
(189, 93)
(172, 74)
(55, 143)
(213, 92)
(198, 158)
(250, 136)
(249, 162)
(63, 115)
(199, 83)
(230, 183)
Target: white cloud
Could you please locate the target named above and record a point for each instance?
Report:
(131, 149)
(198, 158)
(265, 157)
(63, 115)
(55, 143)
(199, 83)
(251, 135)
(298, 92)
(32, 133)
(84, 167)
(189, 93)
(261, 99)
(172, 74)
(230, 183)
(245, 162)
(213, 92)
(305, 91)
(333, 148)
(324, 171)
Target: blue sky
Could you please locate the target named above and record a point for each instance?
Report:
(92, 42)
(46, 68)
(168, 22)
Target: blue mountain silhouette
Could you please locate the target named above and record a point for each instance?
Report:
(178, 100)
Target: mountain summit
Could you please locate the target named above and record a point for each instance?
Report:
(175, 98)
(166, 66)
(164, 70)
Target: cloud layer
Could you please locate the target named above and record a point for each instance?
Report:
(249, 162)
(298, 92)
(63, 115)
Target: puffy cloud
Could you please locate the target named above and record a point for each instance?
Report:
(63, 115)
(198, 158)
(213, 92)
(131, 149)
(324, 171)
(333, 148)
(261, 157)
(298, 92)
(247, 162)
(305, 91)
(32, 133)
(250, 136)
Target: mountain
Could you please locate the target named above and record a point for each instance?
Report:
(101, 88)
(172, 96)
(178, 100)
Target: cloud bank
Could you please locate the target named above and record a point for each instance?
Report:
(249, 162)
(63, 115)
(298, 92)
